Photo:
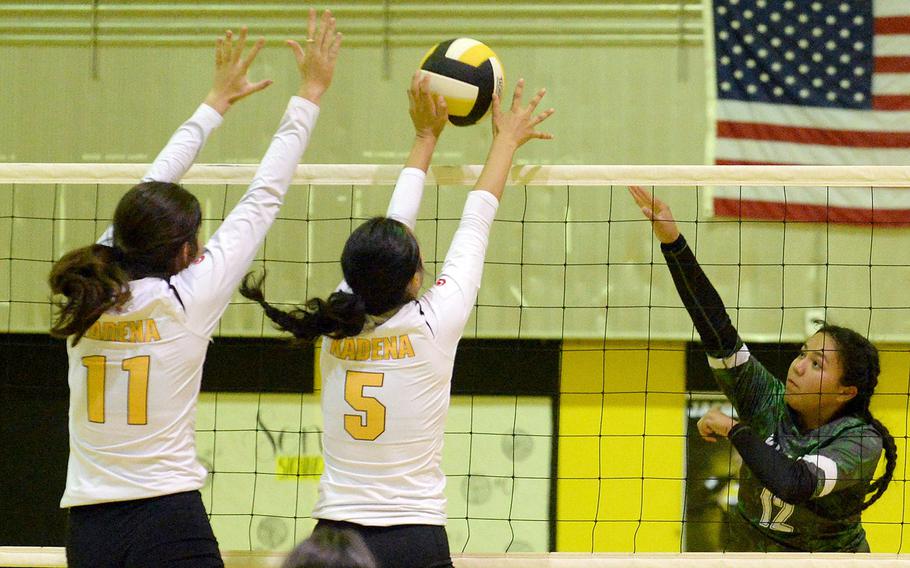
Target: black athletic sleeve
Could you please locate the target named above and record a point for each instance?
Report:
(701, 300)
(791, 480)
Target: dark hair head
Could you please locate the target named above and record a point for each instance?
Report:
(329, 547)
(860, 363)
(379, 260)
(152, 224)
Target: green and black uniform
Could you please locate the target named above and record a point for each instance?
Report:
(798, 490)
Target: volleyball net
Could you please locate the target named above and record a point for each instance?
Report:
(579, 381)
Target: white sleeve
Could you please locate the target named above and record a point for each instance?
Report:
(405, 202)
(179, 154)
(206, 287)
(183, 147)
(451, 299)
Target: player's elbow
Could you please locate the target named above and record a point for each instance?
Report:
(794, 495)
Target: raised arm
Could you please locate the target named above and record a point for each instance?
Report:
(510, 131)
(429, 116)
(754, 391)
(699, 296)
(210, 282)
(456, 289)
(230, 84)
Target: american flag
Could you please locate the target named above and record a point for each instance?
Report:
(812, 82)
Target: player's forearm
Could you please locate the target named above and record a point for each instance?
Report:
(791, 480)
(704, 304)
(421, 152)
(185, 144)
(405, 202)
(495, 171)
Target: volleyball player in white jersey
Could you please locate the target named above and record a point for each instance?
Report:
(387, 354)
(138, 309)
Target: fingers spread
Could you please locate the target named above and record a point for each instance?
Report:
(335, 47)
(311, 24)
(298, 51)
(543, 116)
(228, 45)
(241, 43)
(253, 53)
(536, 100)
(516, 97)
(328, 32)
(256, 87)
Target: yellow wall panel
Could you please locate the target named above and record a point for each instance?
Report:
(613, 464)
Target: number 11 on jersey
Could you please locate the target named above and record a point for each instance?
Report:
(137, 369)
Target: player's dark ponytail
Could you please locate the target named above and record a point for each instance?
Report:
(154, 224)
(91, 281)
(860, 362)
(341, 315)
(378, 262)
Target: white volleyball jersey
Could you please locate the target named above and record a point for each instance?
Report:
(385, 392)
(134, 377)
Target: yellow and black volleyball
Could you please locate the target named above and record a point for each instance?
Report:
(467, 73)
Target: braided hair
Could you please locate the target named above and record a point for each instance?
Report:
(378, 262)
(860, 362)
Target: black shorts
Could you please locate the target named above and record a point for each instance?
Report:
(167, 531)
(402, 546)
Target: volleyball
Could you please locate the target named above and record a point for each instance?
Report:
(467, 73)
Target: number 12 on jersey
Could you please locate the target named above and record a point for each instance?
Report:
(769, 502)
(137, 369)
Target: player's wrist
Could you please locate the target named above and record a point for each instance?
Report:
(218, 101)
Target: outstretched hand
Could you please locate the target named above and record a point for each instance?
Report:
(662, 222)
(516, 125)
(715, 423)
(428, 111)
(316, 61)
(231, 83)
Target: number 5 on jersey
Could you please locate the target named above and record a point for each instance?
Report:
(371, 424)
(137, 369)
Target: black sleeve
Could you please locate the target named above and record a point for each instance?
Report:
(791, 480)
(701, 300)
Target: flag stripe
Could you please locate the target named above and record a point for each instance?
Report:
(849, 197)
(778, 211)
(789, 152)
(892, 25)
(891, 102)
(891, 84)
(892, 64)
(803, 135)
(794, 115)
(883, 46)
(884, 8)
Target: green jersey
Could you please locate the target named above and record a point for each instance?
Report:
(842, 453)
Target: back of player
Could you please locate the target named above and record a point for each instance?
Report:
(139, 308)
(134, 381)
(387, 355)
